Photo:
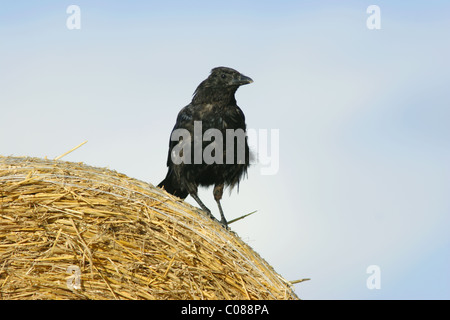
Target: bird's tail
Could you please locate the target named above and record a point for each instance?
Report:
(172, 188)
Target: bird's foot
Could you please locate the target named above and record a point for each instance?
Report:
(224, 224)
(208, 213)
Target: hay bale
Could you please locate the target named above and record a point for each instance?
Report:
(123, 238)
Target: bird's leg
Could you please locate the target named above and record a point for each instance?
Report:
(218, 192)
(202, 205)
(223, 221)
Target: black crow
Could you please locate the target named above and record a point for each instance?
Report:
(208, 144)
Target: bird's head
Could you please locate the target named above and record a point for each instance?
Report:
(223, 79)
(226, 77)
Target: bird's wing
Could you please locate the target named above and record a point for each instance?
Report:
(184, 121)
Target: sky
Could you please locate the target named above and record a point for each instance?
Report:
(357, 121)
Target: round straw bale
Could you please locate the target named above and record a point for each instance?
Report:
(72, 231)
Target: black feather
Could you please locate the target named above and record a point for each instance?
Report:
(213, 104)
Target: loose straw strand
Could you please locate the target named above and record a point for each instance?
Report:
(71, 150)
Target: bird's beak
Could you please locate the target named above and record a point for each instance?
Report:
(243, 80)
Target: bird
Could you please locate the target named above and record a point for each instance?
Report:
(208, 144)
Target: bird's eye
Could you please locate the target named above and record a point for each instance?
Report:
(223, 75)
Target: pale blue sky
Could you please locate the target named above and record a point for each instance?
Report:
(363, 117)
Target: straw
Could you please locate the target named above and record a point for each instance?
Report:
(129, 239)
(71, 150)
